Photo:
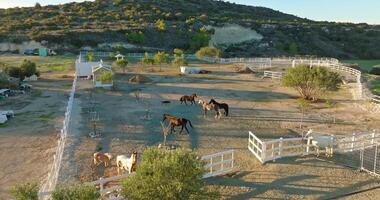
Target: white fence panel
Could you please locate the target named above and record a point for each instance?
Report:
(219, 163)
(273, 75)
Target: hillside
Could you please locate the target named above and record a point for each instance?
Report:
(130, 25)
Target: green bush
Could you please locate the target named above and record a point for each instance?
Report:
(375, 70)
(76, 192)
(160, 25)
(161, 57)
(28, 68)
(122, 63)
(147, 59)
(208, 51)
(167, 174)
(4, 80)
(311, 82)
(27, 191)
(106, 77)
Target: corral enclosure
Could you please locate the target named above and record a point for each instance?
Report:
(28, 140)
(128, 118)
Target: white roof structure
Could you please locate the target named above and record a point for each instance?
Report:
(118, 56)
(101, 66)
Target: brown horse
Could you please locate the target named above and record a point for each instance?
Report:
(190, 98)
(102, 158)
(174, 121)
(218, 107)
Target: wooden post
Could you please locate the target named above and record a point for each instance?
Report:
(211, 165)
(280, 147)
(222, 167)
(374, 162)
(373, 137)
(232, 157)
(272, 150)
(263, 152)
(101, 185)
(353, 142)
(308, 145)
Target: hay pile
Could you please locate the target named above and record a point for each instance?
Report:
(139, 79)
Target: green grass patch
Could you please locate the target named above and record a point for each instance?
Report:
(366, 65)
(375, 86)
(46, 117)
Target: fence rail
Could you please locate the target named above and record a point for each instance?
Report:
(51, 180)
(266, 151)
(219, 163)
(273, 75)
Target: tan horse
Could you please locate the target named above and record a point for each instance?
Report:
(190, 98)
(205, 107)
(128, 164)
(102, 158)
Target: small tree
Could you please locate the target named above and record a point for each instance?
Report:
(77, 192)
(310, 82)
(28, 68)
(179, 58)
(208, 51)
(107, 77)
(122, 64)
(304, 106)
(160, 25)
(90, 56)
(332, 105)
(147, 60)
(167, 174)
(27, 191)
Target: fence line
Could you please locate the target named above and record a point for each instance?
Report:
(331, 63)
(51, 180)
(273, 75)
(266, 151)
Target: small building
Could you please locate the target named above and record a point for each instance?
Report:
(97, 72)
(31, 78)
(190, 70)
(119, 57)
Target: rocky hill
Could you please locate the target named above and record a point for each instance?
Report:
(140, 25)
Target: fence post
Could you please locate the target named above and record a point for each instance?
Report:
(211, 165)
(263, 151)
(222, 162)
(232, 157)
(353, 142)
(308, 145)
(280, 147)
(373, 137)
(101, 185)
(374, 162)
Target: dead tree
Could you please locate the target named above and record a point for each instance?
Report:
(165, 131)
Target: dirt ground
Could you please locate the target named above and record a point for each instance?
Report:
(28, 141)
(129, 119)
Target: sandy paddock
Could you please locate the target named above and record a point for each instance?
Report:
(28, 141)
(259, 105)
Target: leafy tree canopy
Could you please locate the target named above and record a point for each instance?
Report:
(208, 51)
(311, 82)
(167, 174)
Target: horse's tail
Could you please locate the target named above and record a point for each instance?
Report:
(190, 123)
(226, 109)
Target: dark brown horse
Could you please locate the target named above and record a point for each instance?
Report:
(174, 121)
(190, 98)
(219, 106)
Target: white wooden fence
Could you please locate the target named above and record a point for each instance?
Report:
(376, 99)
(51, 180)
(219, 163)
(278, 148)
(273, 75)
(266, 151)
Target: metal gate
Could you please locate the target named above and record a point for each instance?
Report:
(370, 160)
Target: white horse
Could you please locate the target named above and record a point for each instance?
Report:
(123, 162)
(321, 142)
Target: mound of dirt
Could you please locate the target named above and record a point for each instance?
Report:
(139, 79)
